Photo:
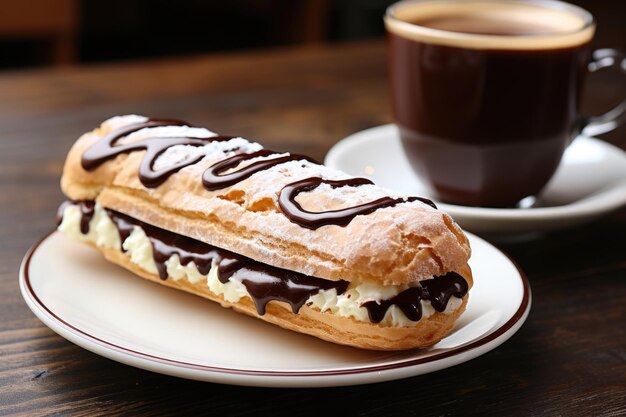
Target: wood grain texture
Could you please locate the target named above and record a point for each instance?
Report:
(568, 359)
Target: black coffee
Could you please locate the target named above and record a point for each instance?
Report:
(484, 124)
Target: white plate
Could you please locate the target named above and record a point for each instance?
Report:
(590, 182)
(111, 312)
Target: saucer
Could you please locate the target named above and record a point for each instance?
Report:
(589, 183)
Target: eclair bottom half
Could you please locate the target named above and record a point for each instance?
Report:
(363, 315)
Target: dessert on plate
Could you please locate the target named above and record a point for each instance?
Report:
(272, 235)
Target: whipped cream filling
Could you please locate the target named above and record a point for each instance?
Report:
(104, 233)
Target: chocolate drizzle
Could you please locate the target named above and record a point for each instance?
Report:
(409, 301)
(437, 290)
(124, 224)
(86, 209)
(265, 283)
(156, 146)
(166, 244)
(313, 220)
(105, 149)
(213, 179)
(440, 289)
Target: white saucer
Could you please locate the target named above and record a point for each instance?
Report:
(590, 182)
(111, 312)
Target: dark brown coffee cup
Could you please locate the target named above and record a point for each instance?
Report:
(486, 94)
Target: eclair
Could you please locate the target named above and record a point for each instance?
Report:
(273, 235)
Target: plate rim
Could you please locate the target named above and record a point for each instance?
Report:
(46, 315)
(576, 209)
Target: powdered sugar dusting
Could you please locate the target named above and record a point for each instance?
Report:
(117, 122)
(211, 151)
(251, 161)
(393, 244)
(167, 132)
(269, 182)
(263, 184)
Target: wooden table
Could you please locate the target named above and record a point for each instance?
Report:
(568, 359)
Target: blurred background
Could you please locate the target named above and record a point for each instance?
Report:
(35, 33)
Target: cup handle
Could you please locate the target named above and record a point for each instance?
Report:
(596, 125)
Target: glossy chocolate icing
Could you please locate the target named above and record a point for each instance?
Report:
(437, 290)
(86, 209)
(313, 220)
(265, 283)
(214, 178)
(106, 149)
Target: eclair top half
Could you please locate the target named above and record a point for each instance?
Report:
(154, 174)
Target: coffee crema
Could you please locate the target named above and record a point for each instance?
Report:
(484, 25)
(498, 24)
